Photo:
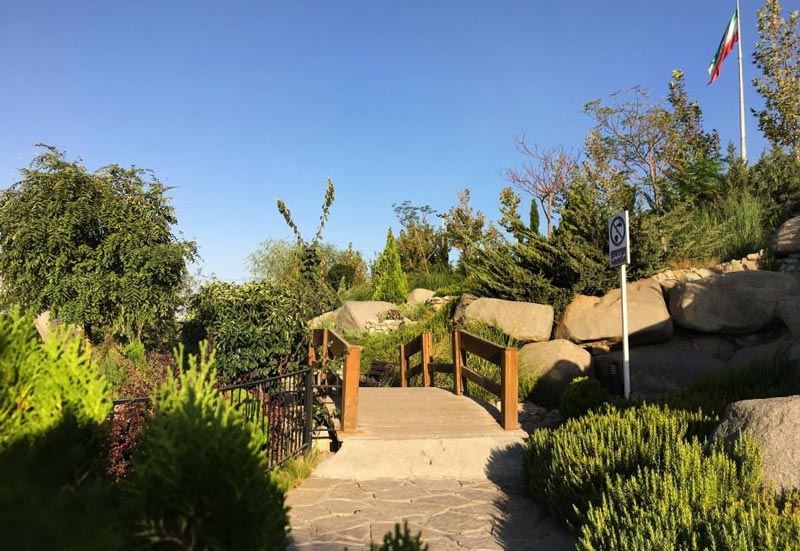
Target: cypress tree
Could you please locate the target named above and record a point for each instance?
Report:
(390, 282)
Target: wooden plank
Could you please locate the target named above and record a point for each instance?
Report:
(414, 346)
(403, 366)
(509, 396)
(337, 346)
(350, 379)
(427, 356)
(480, 380)
(481, 347)
(458, 389)
(440, 368)
(414, 371)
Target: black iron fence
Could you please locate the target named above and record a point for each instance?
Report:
(281, 406)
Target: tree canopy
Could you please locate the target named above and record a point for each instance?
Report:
(95, 248)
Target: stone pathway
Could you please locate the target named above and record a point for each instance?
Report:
(329, 515)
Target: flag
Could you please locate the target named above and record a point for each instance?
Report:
(725, 46)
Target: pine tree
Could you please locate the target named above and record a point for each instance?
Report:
(390, 282)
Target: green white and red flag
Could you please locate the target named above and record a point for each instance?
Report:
(725, 46)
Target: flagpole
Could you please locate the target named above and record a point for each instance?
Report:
(741, 85)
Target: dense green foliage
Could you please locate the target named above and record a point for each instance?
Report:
(570, 468)
(421, 246)
(387, 276)
(256, 328)
(41, 382)
(199, 479)
(54, 493)
(701, 500)
(96, 249)
(583, 394)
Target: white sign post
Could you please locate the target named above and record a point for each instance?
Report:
(619, 250)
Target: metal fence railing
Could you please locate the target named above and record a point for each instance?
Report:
(281, 406)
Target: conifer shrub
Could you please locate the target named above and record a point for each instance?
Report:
(702, 500)
(200, 479)
(583, 394)
(568, 469)
(53, 401)
(388, 277)
(400, 540)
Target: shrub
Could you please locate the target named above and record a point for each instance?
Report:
(702, 500)
(200, 479)
(582, 395)
(388, 277)
(256, 329)
(568, 468)
(54, 494)
(400, 541)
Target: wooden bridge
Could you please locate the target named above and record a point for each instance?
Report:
(421, 411)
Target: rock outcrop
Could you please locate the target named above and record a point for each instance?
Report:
(524, 321)
(589, 319)
(659, 369)
(358, 315)
(557, 362)
(739, 302)
(786, 240)
(419, 296)
(774, 424)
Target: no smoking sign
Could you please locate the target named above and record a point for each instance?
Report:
(618, 240)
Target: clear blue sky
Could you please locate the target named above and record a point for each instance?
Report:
(237, 103)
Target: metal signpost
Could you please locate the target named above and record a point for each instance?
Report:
(619, 250)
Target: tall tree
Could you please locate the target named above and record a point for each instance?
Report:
(777, 54)
(97, 249)
(546, 176)
(421, 245)
(463, 226)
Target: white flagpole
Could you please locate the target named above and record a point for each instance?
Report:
(741, 85)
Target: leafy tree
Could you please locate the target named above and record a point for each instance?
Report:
(463, 227)
(777, 54)
(389, 280)
(546, 177)
(420, 245)
(96, 249)
(314, 289)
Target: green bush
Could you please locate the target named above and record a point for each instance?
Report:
(199, 479)
(53, 401)
(438, 278)
(701, 500)
(256, 329)
(388, 277)
(400, 541)
(569, 468)
(581, 396)
(40, 382)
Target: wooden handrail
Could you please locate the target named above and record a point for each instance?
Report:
(424, 345)
(334, 347)
(465, 343)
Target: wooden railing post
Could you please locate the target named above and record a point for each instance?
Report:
(403, 366)
(508, 383)
(457, 384)
(427, 354)
(350, 377)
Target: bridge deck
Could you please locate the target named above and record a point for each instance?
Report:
(399, 413)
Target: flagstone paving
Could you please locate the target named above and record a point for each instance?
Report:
(331, 514)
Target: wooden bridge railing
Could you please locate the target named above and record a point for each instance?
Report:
(465, 343)
(334, 347)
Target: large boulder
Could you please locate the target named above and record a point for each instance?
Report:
(658, 369)
(787, 239)
(557, 362)
(788, 312)
(751, 354)
(358, 315)
(328, 319)
(419, 296)
(774, 424)
(525, 321)
(588, 319)
(461, 307)
(737, 302)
